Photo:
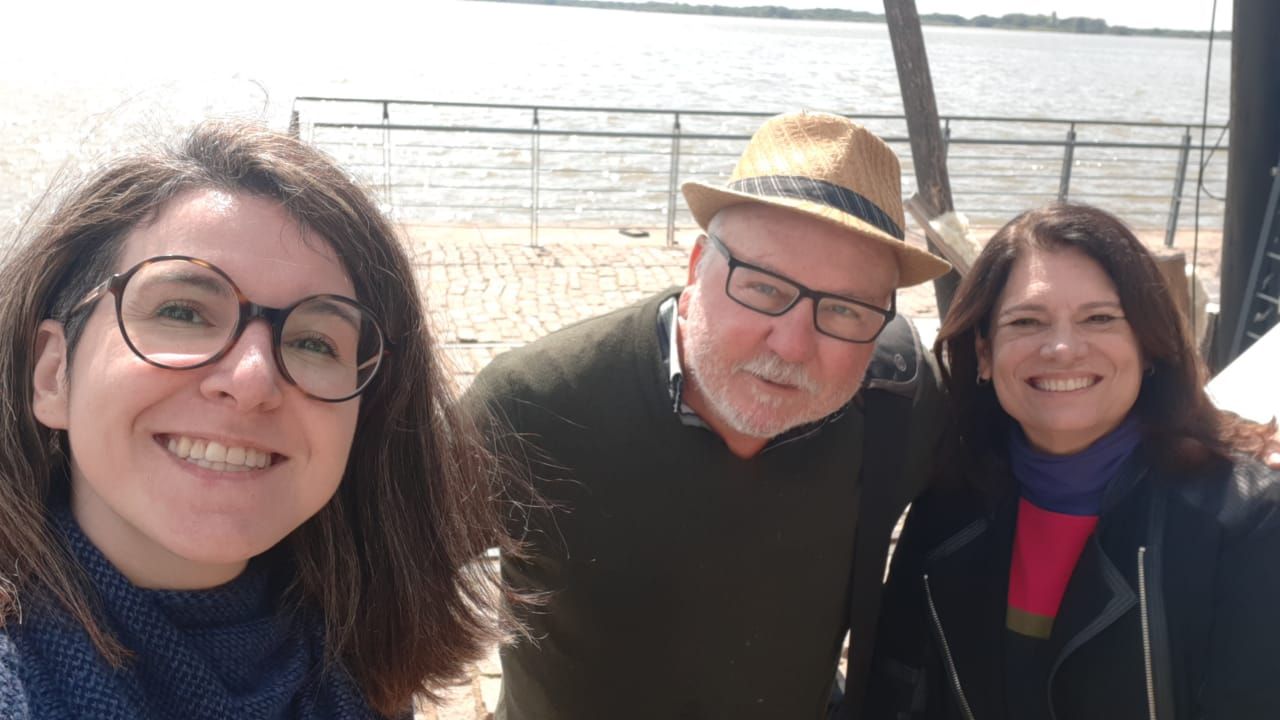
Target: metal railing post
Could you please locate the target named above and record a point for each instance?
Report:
(946, 137)
(673, 182)
(1068, 158)
(386, 154)
(1175, 201)
(534, 162)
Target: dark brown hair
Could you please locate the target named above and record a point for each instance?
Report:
(1172, 405)
(394, 562)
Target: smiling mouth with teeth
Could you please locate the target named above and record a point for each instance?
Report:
(216, 456)
(1063, 384)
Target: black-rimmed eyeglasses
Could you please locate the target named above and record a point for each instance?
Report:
(181, 313)
(836, 316)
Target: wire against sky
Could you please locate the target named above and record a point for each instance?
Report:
(1169, 14)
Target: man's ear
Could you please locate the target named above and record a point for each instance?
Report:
(694, 256)
(49, 396)
(682, 303)
(982, 347)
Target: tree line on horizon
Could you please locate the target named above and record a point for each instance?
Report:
(1012, 21)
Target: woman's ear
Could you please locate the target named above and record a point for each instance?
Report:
(982, 347)
(49, 400)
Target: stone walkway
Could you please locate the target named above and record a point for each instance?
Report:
(474, 699)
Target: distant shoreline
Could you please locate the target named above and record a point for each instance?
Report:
(1015, 21)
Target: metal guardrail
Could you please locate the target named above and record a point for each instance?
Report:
(569, 166)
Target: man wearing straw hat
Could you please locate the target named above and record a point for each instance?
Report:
(722, 467)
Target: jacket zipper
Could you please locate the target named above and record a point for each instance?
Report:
(946, 652)
(1146, 632)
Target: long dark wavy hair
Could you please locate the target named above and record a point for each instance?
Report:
(1172, 406)
(393, 563)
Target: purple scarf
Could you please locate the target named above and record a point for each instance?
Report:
(1072, 484)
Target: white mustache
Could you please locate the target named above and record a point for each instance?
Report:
(776, 370)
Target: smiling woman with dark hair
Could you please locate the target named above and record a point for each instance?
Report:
(232, 480)
(1110, 550)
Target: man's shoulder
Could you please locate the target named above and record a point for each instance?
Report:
(895, 362)
(906, 412)
(574, 359)
(902, 366)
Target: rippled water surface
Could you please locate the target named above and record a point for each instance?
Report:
(75, 89)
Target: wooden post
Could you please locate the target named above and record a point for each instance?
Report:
(1255, 144)
(1173, 268)
(928, 148)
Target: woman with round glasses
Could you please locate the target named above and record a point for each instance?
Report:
(232, 484)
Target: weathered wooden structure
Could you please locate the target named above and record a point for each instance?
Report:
(928, 148)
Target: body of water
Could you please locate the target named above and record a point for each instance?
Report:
(76, 89)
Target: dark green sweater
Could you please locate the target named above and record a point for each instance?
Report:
(683, 581)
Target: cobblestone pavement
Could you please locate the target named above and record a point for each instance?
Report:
(474, 699)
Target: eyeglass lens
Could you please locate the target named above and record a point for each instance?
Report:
(179, 314)
(774, 296)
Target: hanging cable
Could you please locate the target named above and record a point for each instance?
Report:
(1213, 151)
(1204, 121)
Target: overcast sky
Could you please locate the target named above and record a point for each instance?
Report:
(1174, 14)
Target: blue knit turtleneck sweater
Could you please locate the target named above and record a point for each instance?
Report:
(227, 652)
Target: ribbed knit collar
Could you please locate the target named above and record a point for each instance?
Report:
(1072, 484)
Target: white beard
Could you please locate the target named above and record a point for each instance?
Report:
(763, 416)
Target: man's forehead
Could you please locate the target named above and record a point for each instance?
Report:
(822, 255)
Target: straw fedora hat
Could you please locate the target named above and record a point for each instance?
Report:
(828, 167)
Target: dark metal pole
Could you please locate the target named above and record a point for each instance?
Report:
(386, 155)
(1068, 160)
(673, 182)
(534, 162)
(1255, 143)
(928, 148)
(1175, 199)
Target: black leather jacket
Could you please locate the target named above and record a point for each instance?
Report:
(1173, 610)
